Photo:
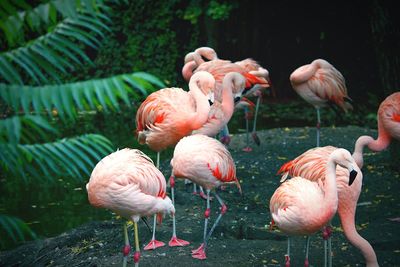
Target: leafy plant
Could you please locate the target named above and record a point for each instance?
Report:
(34, 100)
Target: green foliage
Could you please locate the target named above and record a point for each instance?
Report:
(14, 228)
(219, 11)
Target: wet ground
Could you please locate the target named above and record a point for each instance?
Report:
(243, 237)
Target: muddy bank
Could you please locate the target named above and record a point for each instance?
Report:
(243, 237)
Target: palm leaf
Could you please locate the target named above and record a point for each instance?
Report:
(67, 99)
(58, 50)
(74, 156)
(15, 228)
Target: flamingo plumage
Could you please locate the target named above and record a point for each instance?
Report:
(321, 84)
(206, 162)
(388, 128)
(168, 115)
(302, 207)
(311, 165)
(128, 183)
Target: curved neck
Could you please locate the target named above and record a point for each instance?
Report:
(227, 103)
(202, 107)
(303, 74)
(187, 70)
(330, 187)
(383, 140)
(348, 225)
(361, 142)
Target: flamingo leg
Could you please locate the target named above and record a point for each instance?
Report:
(254, 133)
(153, 244)
(127, 247)
(318, 125)
(306, 263)
(175, 242)
(136, 256)
(246, 116)
(223, 211)
(326, 235)
(158, 160)
(287, 256)
(200, 252)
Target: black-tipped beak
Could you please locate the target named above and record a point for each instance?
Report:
(210, 102)
(236, 99)
(353, 175)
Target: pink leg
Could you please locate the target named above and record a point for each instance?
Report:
(287, 256)
(175, 242)
(127, 247)
(200, 252)
(153, 244)
(246, 115)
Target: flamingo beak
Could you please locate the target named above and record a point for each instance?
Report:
(353, 175)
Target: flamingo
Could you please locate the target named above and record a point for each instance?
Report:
(128, 183)
(207, 162)
(388, 128)
(168, 115)
(302, 207)
(311, 165)
(321, 84)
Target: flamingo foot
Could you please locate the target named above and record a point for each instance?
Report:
(255, 138)
(175, 242)
(199, 253)
(153, 244)
(247, 149)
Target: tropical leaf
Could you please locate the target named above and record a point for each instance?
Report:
(15, 16)
(55, 52)
(69, 156)
(15, 228)
(19, 129)
(68, 99)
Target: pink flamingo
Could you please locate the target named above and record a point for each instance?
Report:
(321, 84)
(388, 128)
(128, 183)
(168, 115)
(207, 162)
(311, 165)
(302, 207)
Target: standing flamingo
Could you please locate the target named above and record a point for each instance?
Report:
(302, 207)
(311, 165)
(168, 115)
(388, 128)
(207, 162)
(128, 183)
(321, 84)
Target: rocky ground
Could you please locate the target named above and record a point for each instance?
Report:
(243, 237)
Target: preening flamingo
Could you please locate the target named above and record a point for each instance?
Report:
(207, 162)
(128, 183)
(311, 165)
(321, 84)
(302, 207)
(388, 127)
(168, 115)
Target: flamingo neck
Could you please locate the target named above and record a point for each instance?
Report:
(303, 74)
(382, 141)
(200, 116)
(187, 70)
(348, 225)
(227, 103)
(361, 142)
(330, 188)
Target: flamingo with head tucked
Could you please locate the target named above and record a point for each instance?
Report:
(302, 207)
(207, 162)
(311, 165)
(128, 183)
(321, 84)
(168, 115)
(388, 128)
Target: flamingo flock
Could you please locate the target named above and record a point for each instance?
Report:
(325, 180)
